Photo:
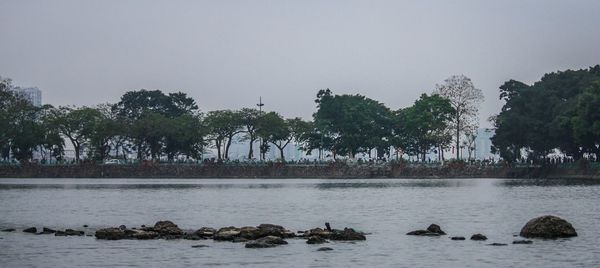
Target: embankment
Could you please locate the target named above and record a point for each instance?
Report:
(289, 171)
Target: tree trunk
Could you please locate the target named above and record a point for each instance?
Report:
(250, 151)
(281, 154)
(458, 138)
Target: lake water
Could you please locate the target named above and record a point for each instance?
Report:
(386, 208)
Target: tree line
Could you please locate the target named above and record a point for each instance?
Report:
(556, 116)
(155, 125)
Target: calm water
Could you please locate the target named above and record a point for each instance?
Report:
(386, 208)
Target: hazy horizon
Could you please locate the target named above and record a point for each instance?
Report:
(225, 54)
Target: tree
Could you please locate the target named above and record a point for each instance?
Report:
(353, 122)
(222, 126)
(77, 124)
(465, 99)
(422, 126)
(250, 120)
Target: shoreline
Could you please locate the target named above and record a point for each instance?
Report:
(91, 171)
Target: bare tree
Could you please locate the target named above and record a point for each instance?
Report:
(465, 99)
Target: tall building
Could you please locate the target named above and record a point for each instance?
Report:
(483, 144)
(32, 94)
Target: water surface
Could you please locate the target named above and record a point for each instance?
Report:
(386, 208)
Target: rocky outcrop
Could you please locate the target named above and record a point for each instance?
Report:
(548, 227)
(167, 229)
(112, 234)
(227, 233)
(266, 242)
(432, 230)
(348, 234)
(478, 237)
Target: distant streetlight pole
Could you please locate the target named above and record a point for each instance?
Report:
(260, 104)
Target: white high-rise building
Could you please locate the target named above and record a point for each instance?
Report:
(32, 94)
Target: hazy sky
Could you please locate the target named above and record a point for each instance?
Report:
(226, 54)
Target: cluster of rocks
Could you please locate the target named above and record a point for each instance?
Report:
(548, 227)
(261, 236)
(45, 230)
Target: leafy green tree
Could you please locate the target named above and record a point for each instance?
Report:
(423, 125)
(250, 119)
(78, 125)
(222, 126)
(353, 122)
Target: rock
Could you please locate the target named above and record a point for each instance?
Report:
(457, 238)
(144, 235)
(522, 242)
(497, 244)
(110, 234)
(318, 232)
(200, 246)
(315, 239)
(74, 232)
(548, 227)
(85, 226)
(205, 232)
(226, 233)
(122, 227)
(250, 232)
(47, 231)
(422, 233)
(239, 240)
(478, 237)
(167, 229)
(264, 230)
(9, 230)
(434, 228)
(266, 242)
(348, 234)
(32, 230)
(324, 249)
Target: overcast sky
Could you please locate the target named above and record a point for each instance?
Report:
(226, 54)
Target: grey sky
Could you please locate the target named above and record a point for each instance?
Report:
(227, 53)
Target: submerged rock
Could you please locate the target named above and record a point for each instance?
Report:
(522, 242)
(548, 227)
(497, 244)
(47, 231)
(325, 249)
(422, 233)
(32, 230)
(9, 230)
(200, 246)
(478, 237)
(266, 242)
(457, 238)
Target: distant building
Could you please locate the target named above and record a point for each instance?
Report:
(32, 94)
(483, 144)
